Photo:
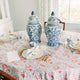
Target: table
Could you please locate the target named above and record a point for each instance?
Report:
(62, 65)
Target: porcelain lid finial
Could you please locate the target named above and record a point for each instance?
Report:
(33, 19)
(32, 13)
(52, 14)
(53, 19)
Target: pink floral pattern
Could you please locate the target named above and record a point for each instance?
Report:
(62, 65)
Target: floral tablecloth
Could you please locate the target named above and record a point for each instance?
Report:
(62, 65)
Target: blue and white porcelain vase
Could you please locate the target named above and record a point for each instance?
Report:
(53, 31)
(34, 29)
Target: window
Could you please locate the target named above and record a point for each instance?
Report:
(69, 10)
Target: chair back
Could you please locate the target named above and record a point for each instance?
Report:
(59, 22)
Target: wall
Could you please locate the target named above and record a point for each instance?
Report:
(73, 27)
(20, 11)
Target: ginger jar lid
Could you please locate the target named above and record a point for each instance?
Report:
(32, 19)
(52, 19)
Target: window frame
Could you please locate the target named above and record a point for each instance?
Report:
(67, 21)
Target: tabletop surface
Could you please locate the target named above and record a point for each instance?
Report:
(62, 65)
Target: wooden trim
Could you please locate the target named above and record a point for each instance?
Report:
(6, 75)
(62, 23)
(45, 24)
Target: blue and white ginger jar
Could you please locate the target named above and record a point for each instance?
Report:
(34, 29)
(53, 31)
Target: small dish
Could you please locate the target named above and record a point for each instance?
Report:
(37, 53)
(74, 46)
(7, 37)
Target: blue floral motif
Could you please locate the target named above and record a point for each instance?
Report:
(34, 32)
(34, 29)
(53, 32)
(53, 35)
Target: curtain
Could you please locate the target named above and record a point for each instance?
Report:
(45, 9)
